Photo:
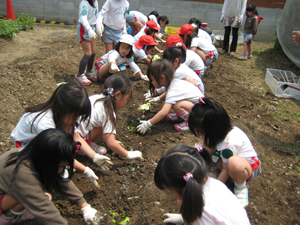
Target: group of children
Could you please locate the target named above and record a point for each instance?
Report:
(48, 135)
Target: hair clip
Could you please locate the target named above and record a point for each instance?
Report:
(110, 91)
(178, 44)
(78, 145)
(199, 147)
(194, 25)
(201, 101)
(187, 176)
(60, 84)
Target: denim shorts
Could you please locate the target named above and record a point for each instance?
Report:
(111, 36)
(130, 18)
(82, 33)
(213, 57)
(246, 37)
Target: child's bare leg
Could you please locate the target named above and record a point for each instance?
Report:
(245, 45)
(238, 169)
(180, 106)
(202, 55)
(97, 134)
(249, 48)
(109, 46)
(9, 202)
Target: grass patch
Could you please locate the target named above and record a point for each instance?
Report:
(297, 169)
(258, 52)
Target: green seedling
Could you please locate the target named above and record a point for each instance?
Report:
(124, 222)
(130, 128)
(113, 213)
(130, 167)
(130, 198)
(145, 106)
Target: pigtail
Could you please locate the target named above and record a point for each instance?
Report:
(192, 201)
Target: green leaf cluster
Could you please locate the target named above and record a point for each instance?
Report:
(25, 21)
(8, 28)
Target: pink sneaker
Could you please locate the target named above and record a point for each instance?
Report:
(98, 149)
(82, 79)
(174, 117)
(91, 75)
(184, 126)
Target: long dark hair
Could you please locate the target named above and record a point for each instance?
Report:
(173, 52)
(163, 19)
(211, 120)
(70, 99)
(119, 82)
(153, 13)
(91, 3)
(158, 68)
(169, 174)
(45, 152)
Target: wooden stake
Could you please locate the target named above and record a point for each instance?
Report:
(287, 79)
(282, 77)
(298, 80)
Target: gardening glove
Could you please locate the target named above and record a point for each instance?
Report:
(92, 34)
(173, 218)
(144, 126)
(99, 30)
(160, 35)
(91, 176)
(134, 155)
(222, 17)
(102, 161)
(144, 77)
(250, 37)
(90, 215)
(147, 95)
(163, 41)
(154, 99)
(114, 68)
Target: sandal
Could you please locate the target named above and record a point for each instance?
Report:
(98, 149)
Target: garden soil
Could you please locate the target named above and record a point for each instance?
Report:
(32, 63)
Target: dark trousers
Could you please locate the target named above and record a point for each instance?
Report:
(234, 39)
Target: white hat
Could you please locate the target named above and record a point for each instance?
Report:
(127, 38)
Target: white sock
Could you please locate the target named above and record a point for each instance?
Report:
(240, 186)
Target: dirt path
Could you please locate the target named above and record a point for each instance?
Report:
(35, 61)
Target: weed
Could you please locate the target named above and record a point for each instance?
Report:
(130, 128)
(295, 114)
(113, 213)
(258, 52)
(297, 169)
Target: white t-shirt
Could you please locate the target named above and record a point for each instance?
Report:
(182, 90)
(140, 17)
(98, 118)
(239, 143)
(205, 45)
(153, 17)
(204, 34)
(193, 60)
(22, 131)
(221, 206)
(139, 53)
(87, 14)
(141, 33)
(183, 72)
(113, 56)
(113, 13)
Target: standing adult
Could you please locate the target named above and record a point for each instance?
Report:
(232, 17)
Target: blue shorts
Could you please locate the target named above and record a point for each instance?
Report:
(246, 37)
(211, 57)
(82, 33)
(130, 18)
(111, 36)
(98, 65)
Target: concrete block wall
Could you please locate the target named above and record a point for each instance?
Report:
(178, 12)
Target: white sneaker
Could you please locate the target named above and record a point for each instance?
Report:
(97, 148)
(184, 126)
(82, 79)
(91, 75)
(242, 195)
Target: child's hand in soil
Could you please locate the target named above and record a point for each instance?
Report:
(102, 161)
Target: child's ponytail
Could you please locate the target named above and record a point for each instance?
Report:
(175, 52)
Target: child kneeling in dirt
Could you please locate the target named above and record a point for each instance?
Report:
(25, 174)
(114, 61)
(202, 199)
(143, 48)
(117, 91)
(226, 142)
(180, 95)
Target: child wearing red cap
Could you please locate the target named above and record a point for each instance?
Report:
(143, 48)
(193, 60)
(113, 61)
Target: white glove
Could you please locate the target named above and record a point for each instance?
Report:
(92, 34)
(163, 41)
(144, 77)
(144, 126)
(173, 218)
(160, 35)
(250, 37)
(89, 215)
(147, 95)
(99, 30)
(91, 176)
(114, 68)
(154, 99)
(134, 155)
(222, 17)
(102, 161)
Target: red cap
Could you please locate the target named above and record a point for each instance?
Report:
(152, 25)
(173, 40)
(145, 40)
(185, 29)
